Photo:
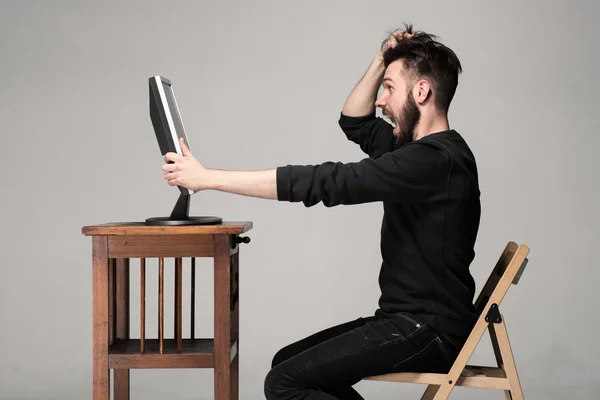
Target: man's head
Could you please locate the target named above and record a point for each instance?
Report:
(419, 83)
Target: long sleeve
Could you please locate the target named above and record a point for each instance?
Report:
(415, 172)
(373, 134)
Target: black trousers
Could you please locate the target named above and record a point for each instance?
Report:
(325, 365)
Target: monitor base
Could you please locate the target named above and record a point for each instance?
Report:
(189, 221)
(180, 215)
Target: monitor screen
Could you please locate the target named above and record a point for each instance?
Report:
(166, 119)
(175, 115)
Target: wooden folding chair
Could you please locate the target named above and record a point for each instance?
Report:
(508, 269)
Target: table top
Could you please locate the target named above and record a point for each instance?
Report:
(140, 228)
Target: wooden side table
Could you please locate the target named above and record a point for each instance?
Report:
(114, 245)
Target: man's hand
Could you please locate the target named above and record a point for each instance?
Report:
(392, 41)
(185, 170)
(361, 100)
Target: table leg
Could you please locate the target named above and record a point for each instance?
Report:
(235, 327)
(222, 335)
(235, 368)
(121, 385)
(100, 264)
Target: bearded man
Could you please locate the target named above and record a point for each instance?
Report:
(425, 175)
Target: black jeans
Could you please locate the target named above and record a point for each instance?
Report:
(326, 365)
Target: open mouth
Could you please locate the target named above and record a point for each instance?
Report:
(393, 122)
(396, 128)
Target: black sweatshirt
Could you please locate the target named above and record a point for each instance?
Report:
(430, 194)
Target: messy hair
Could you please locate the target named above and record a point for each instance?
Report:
(424, 57)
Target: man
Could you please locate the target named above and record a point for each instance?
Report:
(426, 177)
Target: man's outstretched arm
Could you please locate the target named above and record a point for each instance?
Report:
(413, 173)
(185, 170)
(260, 184)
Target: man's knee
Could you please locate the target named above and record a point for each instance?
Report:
(277, 382)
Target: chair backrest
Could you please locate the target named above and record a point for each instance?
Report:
(508, 269)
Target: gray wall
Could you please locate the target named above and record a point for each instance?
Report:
(261, 84)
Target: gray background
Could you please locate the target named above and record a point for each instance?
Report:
(259, 85)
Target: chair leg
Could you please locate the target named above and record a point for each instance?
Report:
(510, 367)
(430, 392)
(498, 354)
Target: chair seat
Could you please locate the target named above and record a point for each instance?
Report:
(472, 376)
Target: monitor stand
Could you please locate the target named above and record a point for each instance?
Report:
(179, 215)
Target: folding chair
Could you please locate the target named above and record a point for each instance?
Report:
(508, 269)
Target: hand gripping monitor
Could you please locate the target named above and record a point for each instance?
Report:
(168, 127)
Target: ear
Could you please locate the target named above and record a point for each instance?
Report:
(422, 91)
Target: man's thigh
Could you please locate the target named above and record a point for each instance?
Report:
(376, 347)
(302, 345)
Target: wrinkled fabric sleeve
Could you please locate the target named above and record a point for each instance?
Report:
(416, 172)
(373, 134)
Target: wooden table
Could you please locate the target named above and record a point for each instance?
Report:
(113, 247)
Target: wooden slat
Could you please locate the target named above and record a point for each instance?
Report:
(177, 302)
(121, 385)
(495, 346)
(235, 288)
(101, 372)
(142, 304)
(509, 362)
(140, 228)
(235, 367)
(122, 298)
(111, 301)
(160, 246)
(497, 354)
(196, 353)
(492, 380)
(495, 276)
(480, 370)
(520, 272)
(193, 299)
(430, 392)
(222, 315)
(161, 303)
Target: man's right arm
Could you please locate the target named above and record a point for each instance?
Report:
(361, 101)
(374, 135)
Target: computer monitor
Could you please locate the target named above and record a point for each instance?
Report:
(166, 119)
(168, 128)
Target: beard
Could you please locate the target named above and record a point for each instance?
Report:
(407, 121)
